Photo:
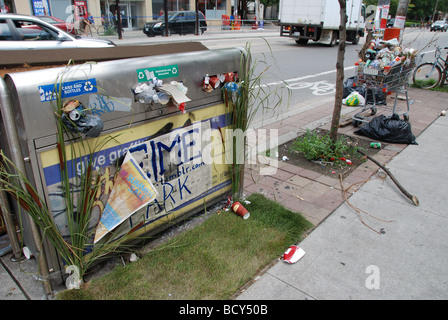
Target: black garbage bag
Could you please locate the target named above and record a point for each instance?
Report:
(388, 129)
(349, 87)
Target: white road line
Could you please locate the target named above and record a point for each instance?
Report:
(304, 77)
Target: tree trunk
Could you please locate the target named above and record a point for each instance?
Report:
(339, 73)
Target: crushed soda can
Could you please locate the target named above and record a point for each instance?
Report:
(375, 145)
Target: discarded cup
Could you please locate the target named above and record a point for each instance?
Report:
(293, 254)
(27, 253)
(214, 82)
(240, 210)
(228, 77)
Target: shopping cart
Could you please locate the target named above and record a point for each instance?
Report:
(381, 82)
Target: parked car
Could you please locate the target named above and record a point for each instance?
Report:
(390, 23)
(181, 22)
(439, 25)
(20, 32)
(61, 24)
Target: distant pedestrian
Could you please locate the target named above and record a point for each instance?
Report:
(82, 26)
(90, 18)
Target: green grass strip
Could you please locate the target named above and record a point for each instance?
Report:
(212, 261)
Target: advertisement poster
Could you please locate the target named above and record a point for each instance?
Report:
(132, 190)
(384, 16)
(171, 154)
(80, 9)
(41, 8)
(399, 22)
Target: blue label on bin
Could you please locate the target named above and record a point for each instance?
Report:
(69, 89)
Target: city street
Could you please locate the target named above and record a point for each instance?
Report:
(413, 265)
(309, 72)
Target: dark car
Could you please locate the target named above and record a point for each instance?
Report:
(439, 25)
(181, 22)
(390, 23)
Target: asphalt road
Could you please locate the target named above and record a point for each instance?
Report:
(303, 76)
(309, 72)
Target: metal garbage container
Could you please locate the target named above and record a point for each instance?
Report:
(165, 137)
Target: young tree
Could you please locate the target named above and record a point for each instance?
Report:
(339, 72)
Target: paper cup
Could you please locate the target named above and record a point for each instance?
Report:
(27, 253)
(240, 210)
(214, 82)
(228, 77)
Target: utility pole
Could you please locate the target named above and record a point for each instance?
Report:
(165, 9)
(435, 10)
(382, 13)
(119, 25)
(196, 24)
(400, 17)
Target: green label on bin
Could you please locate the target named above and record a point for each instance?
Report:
(147, 74)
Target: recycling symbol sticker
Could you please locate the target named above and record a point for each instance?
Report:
(69, 89)
(162, 72)
(88, 86)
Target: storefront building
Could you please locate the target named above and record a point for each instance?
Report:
(134, 12)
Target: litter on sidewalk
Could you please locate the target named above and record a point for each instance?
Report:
(293, 254)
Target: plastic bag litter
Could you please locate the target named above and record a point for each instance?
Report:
(350, 86)
(354, 99)
(388, 129)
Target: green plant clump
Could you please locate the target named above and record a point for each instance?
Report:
(109, 31)
(315, 145)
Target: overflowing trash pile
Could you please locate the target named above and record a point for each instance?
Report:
(384, 55)
(384, 67)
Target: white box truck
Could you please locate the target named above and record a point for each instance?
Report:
(319, 20)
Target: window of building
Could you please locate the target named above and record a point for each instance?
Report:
(213, 9)
(173, 5)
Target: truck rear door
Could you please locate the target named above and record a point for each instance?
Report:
(302, 11)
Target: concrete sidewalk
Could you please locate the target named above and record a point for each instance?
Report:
(137, 37)
(344, 258)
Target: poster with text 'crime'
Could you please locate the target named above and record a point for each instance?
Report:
(172, 153)
(178, 164)
(132, 190)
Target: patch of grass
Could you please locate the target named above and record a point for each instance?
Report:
(424, 83)
(212, 261)
(315, 145)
